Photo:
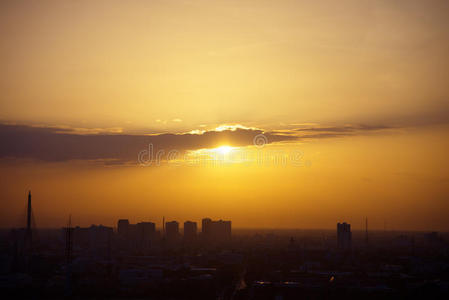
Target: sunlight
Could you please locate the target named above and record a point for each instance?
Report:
(234, 127)
(215, 153)
(223, 149)
(222, 154)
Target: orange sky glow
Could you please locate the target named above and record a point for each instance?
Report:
(273, 114)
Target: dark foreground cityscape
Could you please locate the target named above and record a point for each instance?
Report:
(140, 261)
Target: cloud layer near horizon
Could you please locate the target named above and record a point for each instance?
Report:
(62, 144)
(55, 144)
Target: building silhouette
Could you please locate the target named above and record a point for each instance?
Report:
(190, 231)
(344, 236)
(216, 231)
(136, 236)
(206, 227)
(172, 231)
(123, 227)
(96, 239)
(145, 233)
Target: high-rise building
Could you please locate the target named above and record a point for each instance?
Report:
(123, 227)
(145, 233)
(190, 231)
(146, 228)
(97, 239)
(205, 227)
(216, 231)
(344, 236)
(136, 236)
(227, 230)
(172, 230)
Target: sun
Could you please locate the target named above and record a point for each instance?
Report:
(223, 149)
(222, 154)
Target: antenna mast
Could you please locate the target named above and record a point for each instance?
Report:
(366, 231)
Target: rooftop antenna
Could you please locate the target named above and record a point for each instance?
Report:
(28, 229)
(366, 231)
(68, 249)
(69, 240)
(29, 212)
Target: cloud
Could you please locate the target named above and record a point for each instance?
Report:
(315, 131)
(63, 144)
(112, 146)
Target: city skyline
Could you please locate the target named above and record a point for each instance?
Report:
(224, 149)
(290, 115)
(155, 226)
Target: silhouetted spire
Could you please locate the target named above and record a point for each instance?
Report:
(28, 232)
(29, 213)
(366, 231)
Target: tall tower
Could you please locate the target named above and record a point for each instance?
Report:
(29, 212)
(68, 241)
(28, 232)
(68, 251)
(366, 231)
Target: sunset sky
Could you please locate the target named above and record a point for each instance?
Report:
(273, 114)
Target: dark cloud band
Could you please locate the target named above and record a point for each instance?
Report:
(54, 144)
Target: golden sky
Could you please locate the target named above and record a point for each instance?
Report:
(357, 89)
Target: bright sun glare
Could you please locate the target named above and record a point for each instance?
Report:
(223, 149)
(221, 153)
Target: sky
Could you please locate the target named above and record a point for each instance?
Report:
(273, 114)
